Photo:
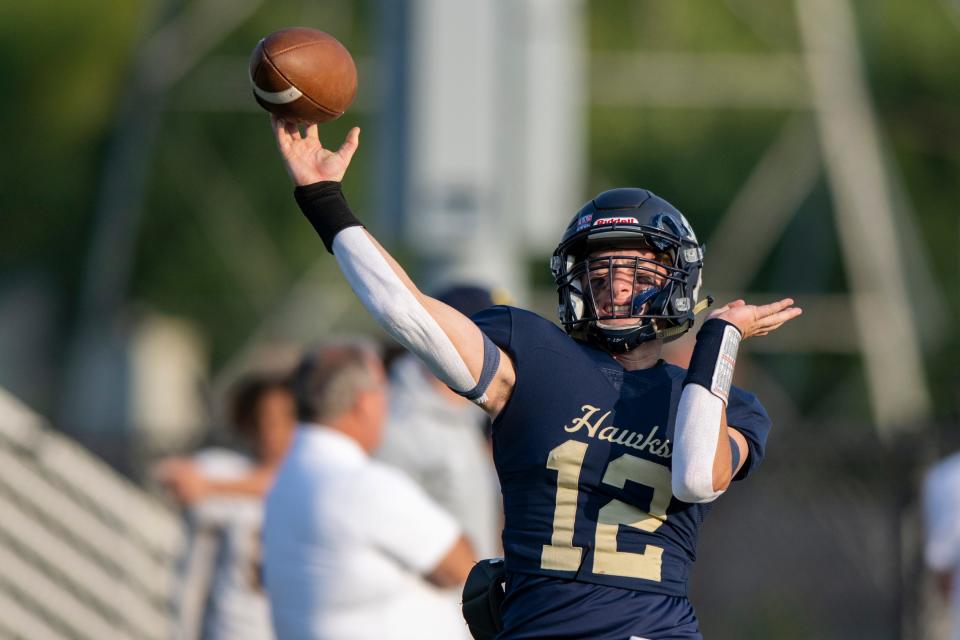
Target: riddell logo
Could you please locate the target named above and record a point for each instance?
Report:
(621, 220)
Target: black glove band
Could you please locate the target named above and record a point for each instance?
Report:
(327, 210)
(713, 359)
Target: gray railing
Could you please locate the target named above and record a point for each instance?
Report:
(84, 552)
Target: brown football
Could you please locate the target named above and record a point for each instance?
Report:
(303, 75)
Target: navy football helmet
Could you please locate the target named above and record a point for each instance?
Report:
(618, 301)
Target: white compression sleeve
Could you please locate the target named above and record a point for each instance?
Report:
(696, 434)
(396, 309)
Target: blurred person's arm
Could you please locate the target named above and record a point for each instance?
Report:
(187, 484)
(256, 484)
(454, 567)
(421, 535)
(447, 341)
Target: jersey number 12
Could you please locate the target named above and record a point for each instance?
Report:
(561, 554)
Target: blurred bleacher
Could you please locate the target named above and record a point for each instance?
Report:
(84, 552)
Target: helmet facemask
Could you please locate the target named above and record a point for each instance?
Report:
(623, 287)
(622, 294)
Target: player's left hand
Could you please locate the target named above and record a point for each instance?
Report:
(306, 159)
(753, 320)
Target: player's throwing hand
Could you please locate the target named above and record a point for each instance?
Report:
(306, 159)
(753, 320)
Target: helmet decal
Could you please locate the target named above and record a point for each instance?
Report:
(617, 220)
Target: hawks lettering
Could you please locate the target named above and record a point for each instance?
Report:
(584, 421)
(648, 442)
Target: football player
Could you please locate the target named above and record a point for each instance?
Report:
(608, 458)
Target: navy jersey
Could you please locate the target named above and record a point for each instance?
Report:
(583, 451)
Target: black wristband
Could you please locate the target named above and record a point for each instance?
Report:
(327, 210)
(711, 365)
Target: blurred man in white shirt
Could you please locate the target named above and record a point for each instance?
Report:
(353, 548)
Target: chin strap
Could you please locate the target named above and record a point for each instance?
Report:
(703, 304)
(672, 331)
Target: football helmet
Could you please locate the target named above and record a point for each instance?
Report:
(618, 301)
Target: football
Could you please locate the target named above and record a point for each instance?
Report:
(303, 75)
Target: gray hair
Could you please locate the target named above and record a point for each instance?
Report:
(329, 378)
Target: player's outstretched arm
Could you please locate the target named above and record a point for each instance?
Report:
(446, 340)
(707, 452)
